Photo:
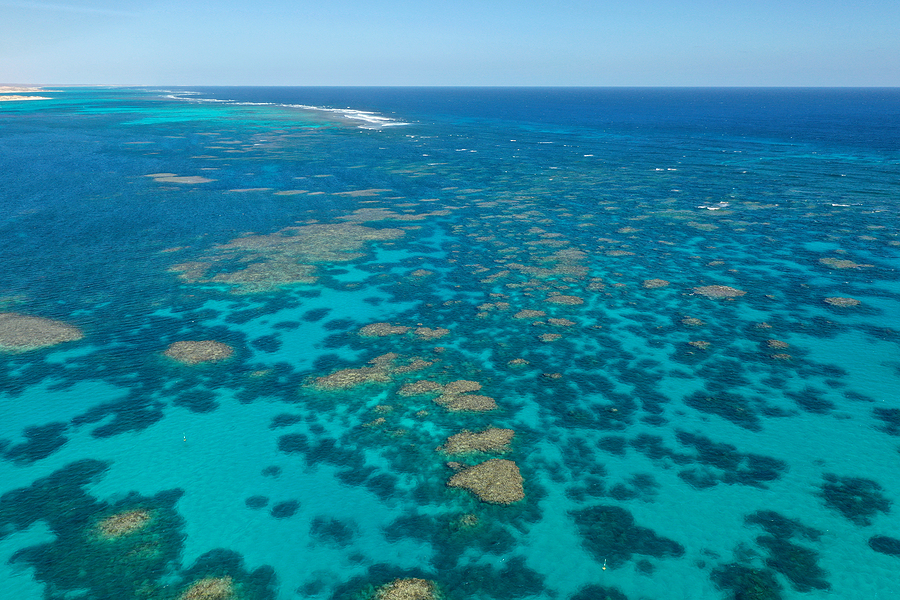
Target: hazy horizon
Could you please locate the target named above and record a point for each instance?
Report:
(649, 43)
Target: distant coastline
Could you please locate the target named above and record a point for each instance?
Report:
(14, 93)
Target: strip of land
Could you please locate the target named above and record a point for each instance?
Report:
(11, 93)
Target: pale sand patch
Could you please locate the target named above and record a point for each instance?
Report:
(18, 89)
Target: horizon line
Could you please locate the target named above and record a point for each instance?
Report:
(456, 86)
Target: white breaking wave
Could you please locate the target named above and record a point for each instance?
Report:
(368, 119)
(716, 206)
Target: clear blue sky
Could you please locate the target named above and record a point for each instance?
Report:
(452, 42)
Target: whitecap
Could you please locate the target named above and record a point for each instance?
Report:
(717, 206)
(369, 119)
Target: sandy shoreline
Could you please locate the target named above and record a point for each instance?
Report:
(12, 93)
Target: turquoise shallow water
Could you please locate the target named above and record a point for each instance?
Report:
(703, 393)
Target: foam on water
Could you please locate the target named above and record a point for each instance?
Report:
(369, 119)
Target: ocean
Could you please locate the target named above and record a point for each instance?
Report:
(405, 344)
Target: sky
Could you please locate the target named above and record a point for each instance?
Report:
(456, 42)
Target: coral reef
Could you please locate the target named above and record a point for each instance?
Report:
(496, 481)
(210, 588)
(452, 396)
(799, 564)
(387, 329)
(466, 402)
(718, 291)
(382, 370)
(382, 330)
(563, 299)
(842, 302)
(22, 332)
(124, 523)
(489, 440)
(285, 257)
(97, 549)
(529, 314)
(747, 582)
(885, 545)
(461, 386)
(560, 322)
(610, 534)
(654, 283)
(195, 352)
(420, 388)
(841, 263)
(407, 589)
(858, 499)
(429, 333)
(597, 592)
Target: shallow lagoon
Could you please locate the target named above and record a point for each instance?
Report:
(674, 440)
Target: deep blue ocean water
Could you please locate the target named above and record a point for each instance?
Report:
(672, 445)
